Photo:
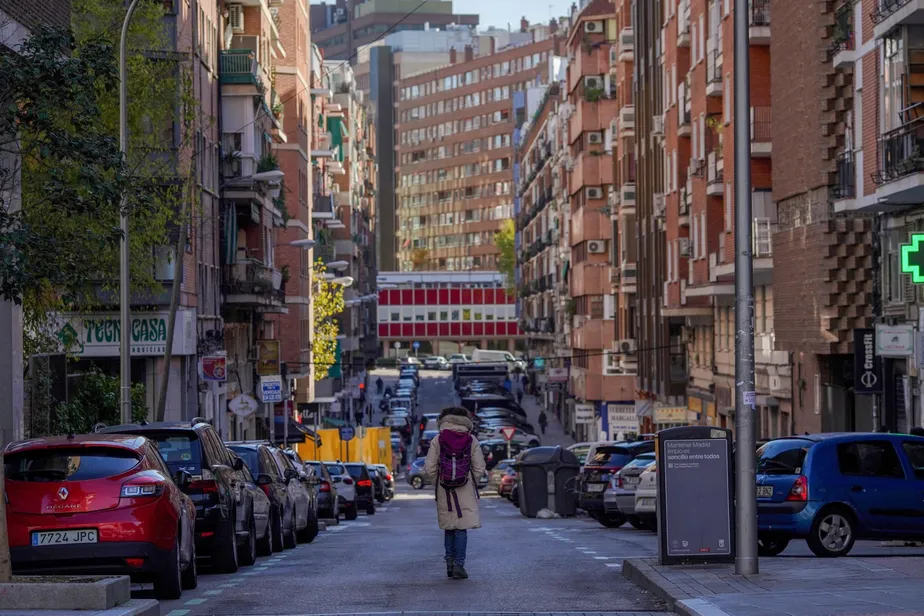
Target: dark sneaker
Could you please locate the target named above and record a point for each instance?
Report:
(449, 568)
(458, 573)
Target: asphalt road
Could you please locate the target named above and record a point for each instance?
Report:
(393, 562)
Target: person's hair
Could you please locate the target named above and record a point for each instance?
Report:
(917, 431)
(458, 411)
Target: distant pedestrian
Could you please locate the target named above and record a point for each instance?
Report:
(917, 431)
(454, 462)
(358, 416)
(379, 385)
(524, 380)
(543, 421)
(508, 385)
(520, 396)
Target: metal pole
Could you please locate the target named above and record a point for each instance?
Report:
(124, 279)
(285, 423)
(746, 455)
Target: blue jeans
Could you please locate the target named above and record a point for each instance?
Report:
(456, 541)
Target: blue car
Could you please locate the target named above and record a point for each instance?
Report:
(832, 489)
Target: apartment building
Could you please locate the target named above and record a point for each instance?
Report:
(454, 149)
(879, 166)
(255, 210)
(341, 28)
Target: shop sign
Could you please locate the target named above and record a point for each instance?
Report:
(268, 360)
(672, 415)
(243, 406)
(214, 368)
(100, 334)
(584, 413)
(894, 340)
(558, 375)
(622, 418)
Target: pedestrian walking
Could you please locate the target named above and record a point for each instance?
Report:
(525, 381)
(543, 421)
(358, 416)
(520, 396)
(454, 462)
(379, 385)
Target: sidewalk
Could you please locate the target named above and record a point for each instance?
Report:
(867, 586)
(554, 435)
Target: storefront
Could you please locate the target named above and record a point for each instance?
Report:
(673, 417)
(705, 410)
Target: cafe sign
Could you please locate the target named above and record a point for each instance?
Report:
(100, 334)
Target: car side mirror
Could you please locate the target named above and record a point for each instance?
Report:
(182, 478)
(290, 474)
(238, 464)
(264, 479)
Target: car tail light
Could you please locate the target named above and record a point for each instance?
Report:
(347, 481)
(389, 477)
(325, 486)
(141, 489)
(135, 563)
(619, 482)
(206, 485)
(799, 490)
(364, 483)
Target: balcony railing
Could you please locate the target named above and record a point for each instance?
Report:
(842, 37)
(902, 149)
(761, 124)
(760, 13)
(239, 66)
(714, 67)
(252, 277)
(885, 9)
(845, 184)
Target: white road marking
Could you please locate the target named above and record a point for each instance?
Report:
(614, 565)
(604, 557)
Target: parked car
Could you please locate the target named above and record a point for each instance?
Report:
(410, 361)
(223, 511)
(475, 402)
(328, 496)
(415, 474)
(378, 484)
(262, 508)
(498, 472)
(833, 489)
(389, 480)
(423, 443)
(100, 504)
(646, 497)
(602, 464)
(346, 488)
(459, 358)
(580, 451)
(520, 437)
(365, 492)
(619, 497)
(507, 482)
(495, 450)
(437, 362)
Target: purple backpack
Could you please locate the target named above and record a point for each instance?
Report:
(455, 464)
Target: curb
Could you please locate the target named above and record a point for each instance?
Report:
(640, 572)
(322, 526)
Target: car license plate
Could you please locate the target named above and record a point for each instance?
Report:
(764, 491)
(646, 502)
(65, 537)
(630, 481)
(596, 487)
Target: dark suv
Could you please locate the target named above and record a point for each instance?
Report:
(595, 475)
(365, 492)
(224, 507)
(328, 499)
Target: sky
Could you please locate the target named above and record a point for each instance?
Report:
(501, 12)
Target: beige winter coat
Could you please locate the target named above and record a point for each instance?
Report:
(468, 497)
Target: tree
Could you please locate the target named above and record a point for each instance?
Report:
(505, 240)
(327, 303)
(97, 400)
(419, 258)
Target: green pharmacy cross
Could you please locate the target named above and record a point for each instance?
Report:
(913, 258)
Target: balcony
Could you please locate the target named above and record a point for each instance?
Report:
(683, 120)
(627, 120)
(889, 14)
(761, 129)
(845, 182)
(898, 180)
(762, 238)
(626, 45)
(250, 283)
(715, 176)
(683, 24)
(239, 67)
(626, 198)
(759, 22)
(714, 72)
(842, 45)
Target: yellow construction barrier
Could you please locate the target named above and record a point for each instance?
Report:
(370, 445)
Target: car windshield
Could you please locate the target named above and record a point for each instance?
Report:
(69, 463)
(642, 461)
(355, 470)
(335, 469)
(180, 450)
(610, 457)
(783, 457)
(249, 456)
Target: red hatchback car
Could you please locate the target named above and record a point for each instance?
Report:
(99, 504)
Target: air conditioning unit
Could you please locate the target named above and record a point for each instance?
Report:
(236, 17)
(684, 243)
(596, 247)
(594, 138)
(658, 203)
(593, 81)
(593, 26)
(593, 192)
(628, 346)
(657, 125)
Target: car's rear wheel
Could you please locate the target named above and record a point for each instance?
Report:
(771, 545)
(168, 584)
(311, 530)
(291, 538)
(249, 556)
(225, 558)
(416, 483)
(832, 533)
(636, 522)
(351, 513)
(189, 580)
(265, 544)
(278, 532)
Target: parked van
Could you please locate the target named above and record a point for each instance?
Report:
(485, 356)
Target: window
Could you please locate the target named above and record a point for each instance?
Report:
(65, 464)
(915, 452)
(869, 459)
(894, 279)
(727, 99)
(782, 457)
(893, 71)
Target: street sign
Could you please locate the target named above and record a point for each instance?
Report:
(913, 258)
(271, 388)
(347, 433)
(214, 368)
(243, 406)
(397, 345)
(867, 368)
(416, 345)
(508, 432)
(584, 413)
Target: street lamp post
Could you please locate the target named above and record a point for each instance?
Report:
(124, 278)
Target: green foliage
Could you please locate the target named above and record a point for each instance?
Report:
(267, 163)
(506, 243)
(327, 303)
(97, 400)
(62, 248)
(592, 95)
(419, 258)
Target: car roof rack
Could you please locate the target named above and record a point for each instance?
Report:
(199, 420)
